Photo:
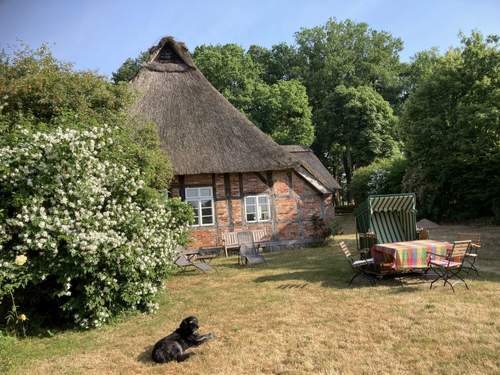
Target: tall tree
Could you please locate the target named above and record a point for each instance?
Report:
(281, 62)
(129, 68)
(357, 126)
(280, 109)
(350, 54)
(451, 126)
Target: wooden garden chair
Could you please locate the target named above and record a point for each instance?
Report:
(449, 266)
(249, 254)
(471, 255)
(230, 241)
(360, 267)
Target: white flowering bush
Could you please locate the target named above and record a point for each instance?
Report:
(78, 230)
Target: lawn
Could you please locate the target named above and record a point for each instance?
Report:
(296, 315)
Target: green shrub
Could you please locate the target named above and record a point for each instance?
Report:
(85, 232)
(334, 227)
(383, 176)
(78, 234)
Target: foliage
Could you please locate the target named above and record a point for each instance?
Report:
(129, 68)
(350, 54)
(383, 176)
(40, 92)
(93, 246)
(280, 62)
(358, 126)
(85, 232)
(334, 227)
(451, 126)
(282, 111)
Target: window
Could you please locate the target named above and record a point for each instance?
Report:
(257, 208)
(202, 201)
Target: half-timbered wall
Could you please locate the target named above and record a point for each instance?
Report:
(293, 204)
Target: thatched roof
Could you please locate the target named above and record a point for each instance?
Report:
(313, 165)
(427, 224)
(199, 129)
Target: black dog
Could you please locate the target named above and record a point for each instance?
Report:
(174, 346)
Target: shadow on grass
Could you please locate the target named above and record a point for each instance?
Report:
(145, 356)
(329, 268)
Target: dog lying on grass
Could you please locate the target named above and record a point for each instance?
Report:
(173, 347)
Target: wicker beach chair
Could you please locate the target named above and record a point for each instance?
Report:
(360, 267)
(448, 266)
(472, 254)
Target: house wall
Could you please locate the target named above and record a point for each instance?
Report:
(293, 202)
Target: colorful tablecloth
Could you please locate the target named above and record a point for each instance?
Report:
(408, 255)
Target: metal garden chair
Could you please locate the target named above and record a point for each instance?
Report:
(360, 267)
(449, 266)
(471, 255)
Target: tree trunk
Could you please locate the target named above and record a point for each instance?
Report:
(347, 161)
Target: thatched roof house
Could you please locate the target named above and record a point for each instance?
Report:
(194, 117)
(235, 176)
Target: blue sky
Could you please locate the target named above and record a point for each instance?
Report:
(101, 34)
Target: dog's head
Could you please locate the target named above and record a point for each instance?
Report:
(189, 325)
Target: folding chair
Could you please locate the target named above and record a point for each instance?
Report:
(359, 266)
(449, 266)
(249, 254)
(184, 262)
(471, 255)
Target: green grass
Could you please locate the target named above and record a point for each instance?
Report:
(295, 315)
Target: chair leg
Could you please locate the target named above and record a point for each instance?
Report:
(456, 274)
(472, 266)
(439, 274)
(354, 277)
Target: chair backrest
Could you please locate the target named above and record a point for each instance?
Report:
(230, 238)
(245, 238)
(247, 244)
(475, 238)
(346, 251)
(459, 249)
(259, 235)
(423, 234)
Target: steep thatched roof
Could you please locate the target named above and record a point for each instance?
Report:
(427, 224)
(199, 129)
(313, 165)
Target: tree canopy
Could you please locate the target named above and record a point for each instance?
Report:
(451, 126)
(357, 126)
(356, 92)
(85, 229)
(280, 108)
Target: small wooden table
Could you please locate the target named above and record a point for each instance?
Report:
(204, 254)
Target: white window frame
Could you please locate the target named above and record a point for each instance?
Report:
(198, 199)
(259, 209)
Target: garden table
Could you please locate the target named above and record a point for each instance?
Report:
(408, 255)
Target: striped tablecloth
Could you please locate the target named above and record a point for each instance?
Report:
(408, 255)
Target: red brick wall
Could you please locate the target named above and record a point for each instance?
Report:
(294, 203)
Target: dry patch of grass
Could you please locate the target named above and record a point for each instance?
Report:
(296, 315)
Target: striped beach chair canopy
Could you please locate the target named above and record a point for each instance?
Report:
(391, 217)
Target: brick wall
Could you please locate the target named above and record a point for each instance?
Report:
(294, 205)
